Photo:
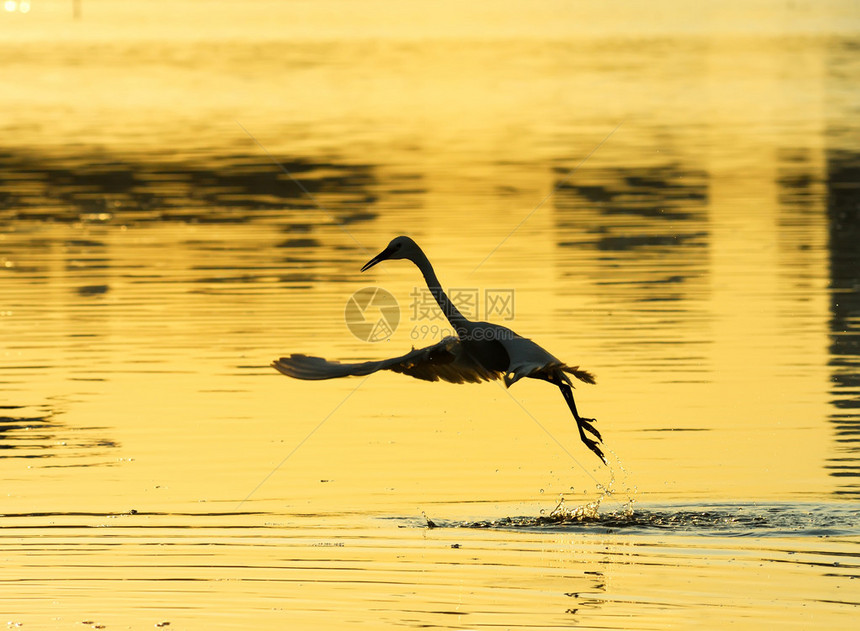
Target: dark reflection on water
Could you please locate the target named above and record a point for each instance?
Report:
(229, 188)
(646, 231)
(74, 522)
(100, 192)
(37, 433)
(628, 212)
(843, 213)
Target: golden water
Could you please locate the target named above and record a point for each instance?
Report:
(188, 190)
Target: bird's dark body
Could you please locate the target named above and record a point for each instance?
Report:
(488, 350)
(489, 354)
(481, 351)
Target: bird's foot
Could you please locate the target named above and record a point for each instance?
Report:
(592, 445)
(586, 423)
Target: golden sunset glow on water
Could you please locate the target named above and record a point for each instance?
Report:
(662, 194)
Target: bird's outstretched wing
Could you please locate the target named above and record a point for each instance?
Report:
(446, 360)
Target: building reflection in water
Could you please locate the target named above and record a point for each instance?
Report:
(843, 174)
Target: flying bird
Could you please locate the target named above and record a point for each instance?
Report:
(480, 351)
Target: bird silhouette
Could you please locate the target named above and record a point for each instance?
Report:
(480, 351)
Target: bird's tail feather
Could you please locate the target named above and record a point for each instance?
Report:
(582, 375)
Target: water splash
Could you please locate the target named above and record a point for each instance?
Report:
(732, 520)
(591, 510)
(709, 519)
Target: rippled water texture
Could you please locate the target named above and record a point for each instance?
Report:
(663, 194)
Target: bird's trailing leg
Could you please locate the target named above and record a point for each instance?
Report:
(582, 423)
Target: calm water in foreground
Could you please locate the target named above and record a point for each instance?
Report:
(188, 190)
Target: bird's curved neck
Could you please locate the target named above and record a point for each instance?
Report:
(457, 320)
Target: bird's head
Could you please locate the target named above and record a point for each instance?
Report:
(399, 248)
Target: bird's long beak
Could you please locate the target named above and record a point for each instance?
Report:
(376, 259)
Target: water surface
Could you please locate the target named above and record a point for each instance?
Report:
(669, 202)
